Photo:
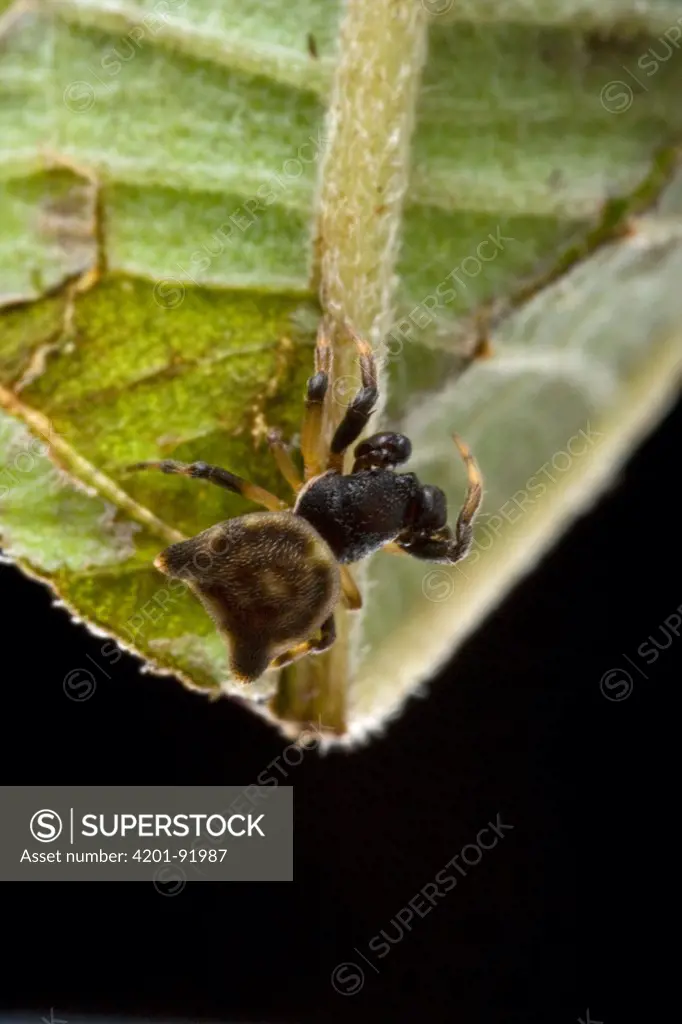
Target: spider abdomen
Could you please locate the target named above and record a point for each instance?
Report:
(267, 578)
(359, 513)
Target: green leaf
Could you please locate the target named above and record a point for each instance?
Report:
(179, 182)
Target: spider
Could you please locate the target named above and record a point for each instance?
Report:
(271, 580)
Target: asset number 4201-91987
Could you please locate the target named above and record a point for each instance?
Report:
(213, 856)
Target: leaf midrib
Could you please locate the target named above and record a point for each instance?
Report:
(82, 472)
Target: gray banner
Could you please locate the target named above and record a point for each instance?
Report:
(165, 834)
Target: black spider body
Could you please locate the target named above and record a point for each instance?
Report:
(271, 580)
(361, 512)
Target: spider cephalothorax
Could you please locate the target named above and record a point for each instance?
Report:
(271, 580)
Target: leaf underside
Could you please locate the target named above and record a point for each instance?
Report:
(158, 183)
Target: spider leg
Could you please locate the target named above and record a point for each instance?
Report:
(220, 477)
(393, 548)
(352, 597)
(381, 451)
(316, 391)
(443, 545)
(284, 461)
(315, 645)
(360, 409)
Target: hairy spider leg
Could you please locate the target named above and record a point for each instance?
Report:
(360, 409)
(474, 494)
(285, 463)
(381, 451)
(442, 546)
(220, 477)
(350, 591)
(313, 417)
(315, 645)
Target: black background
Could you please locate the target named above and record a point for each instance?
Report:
(545, 927)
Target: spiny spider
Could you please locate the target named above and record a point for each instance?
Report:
(271, 580)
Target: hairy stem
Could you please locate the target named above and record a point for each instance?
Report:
(364, 177)
(364, 173)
